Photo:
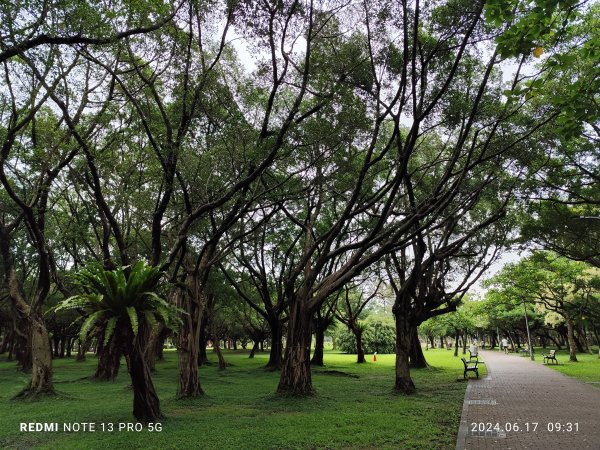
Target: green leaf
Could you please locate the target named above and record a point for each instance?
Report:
(109, 329)
(133, 318)
(87, 325)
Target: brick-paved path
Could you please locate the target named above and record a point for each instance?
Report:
(521, 391)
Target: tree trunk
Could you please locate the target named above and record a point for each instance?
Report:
(276, 352)
(404, 383)
(556, 343)
(317, 359)
(360, 351)
(442, 342)
(109, 360)
(456, 344)
(63, 345)
(464, 343)
(193, 302)
(146, 406)
(153, 347)
(254, 348)
(188, 347)
(417, 358)
(202, 355)
(41, 356)
(222, 364)
(571, 339)
(295, 376)
(82, 350)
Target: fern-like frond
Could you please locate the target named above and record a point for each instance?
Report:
(110, 329)
(87, 325)
(133, 318)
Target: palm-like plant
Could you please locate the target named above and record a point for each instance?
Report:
(123, 306)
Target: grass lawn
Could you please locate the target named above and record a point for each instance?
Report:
(353, 408)
(587, 367)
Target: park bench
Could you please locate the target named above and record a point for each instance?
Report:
(470, 367)
(473, 356)
(551, 355)
(525, 351)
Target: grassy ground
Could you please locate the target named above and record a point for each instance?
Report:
(353, 408)
(587, 367)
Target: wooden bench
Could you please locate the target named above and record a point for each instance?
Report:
(551, 355)
(470, 367)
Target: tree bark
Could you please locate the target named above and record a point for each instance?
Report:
(146, 406)
(456, 336)
(41, 354)
(193, 302)
(82, 350)
(295, 376)
(403, 383)
(253, 351)
(571, 339)
(109, 360)
(317, 358)
(360, 351)
(276, 352)
(222, 364)
(417, 358)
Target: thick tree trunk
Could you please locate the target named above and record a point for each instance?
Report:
(202, 355)
(571, 339)
(276, 352)
(317, 358)
(404, 383)
(442, 342)
(194, 303)
(295, 376)
(41, 361)
(188, 349)
(109, 360)
(153, 347)
(146, 406)
(417, 358)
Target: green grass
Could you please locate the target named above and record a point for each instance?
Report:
(241, 411)
(587, 367)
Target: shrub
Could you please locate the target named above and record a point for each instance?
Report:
(377, 337)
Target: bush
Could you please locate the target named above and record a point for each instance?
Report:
(377, 337)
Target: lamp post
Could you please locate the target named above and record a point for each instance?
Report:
(528, 335)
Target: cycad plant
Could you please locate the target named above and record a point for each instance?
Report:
(123, 306)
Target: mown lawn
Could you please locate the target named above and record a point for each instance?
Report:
(587, 367)
(353, 407)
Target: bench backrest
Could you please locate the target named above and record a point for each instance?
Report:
(466, 363)
(552, 353)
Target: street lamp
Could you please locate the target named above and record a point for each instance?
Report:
(528, 335)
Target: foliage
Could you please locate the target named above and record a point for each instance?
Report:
(112, 298)
(377, 337)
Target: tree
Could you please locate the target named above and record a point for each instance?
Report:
(555, 282)
(123, 305)
(350, 309)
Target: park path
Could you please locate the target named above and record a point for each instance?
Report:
(522, 392)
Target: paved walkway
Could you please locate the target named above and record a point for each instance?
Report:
(524, 393)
